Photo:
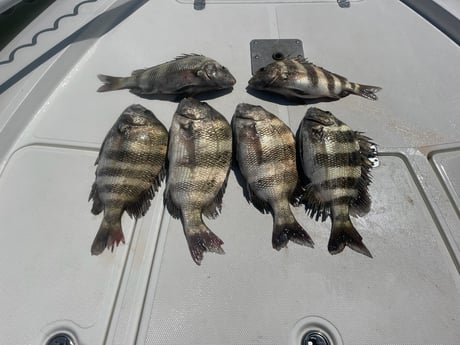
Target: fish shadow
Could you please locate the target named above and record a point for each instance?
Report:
(204, 96)
(282, 100)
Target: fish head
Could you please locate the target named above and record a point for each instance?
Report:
(192, 109)
(249, 112)
(270, 76)
(219, 75)
(137, 115)
(316, 121)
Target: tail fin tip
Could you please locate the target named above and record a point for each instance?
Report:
(368, 91)
(344, 234)
(283, 233)
(202, 241)
(110, 83)
(107, 237)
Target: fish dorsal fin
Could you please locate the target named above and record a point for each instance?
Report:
(361, 205)
(302, 60)
(184, 56)
(305, 62)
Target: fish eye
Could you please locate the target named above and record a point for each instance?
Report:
(224, 68)
(262, 69)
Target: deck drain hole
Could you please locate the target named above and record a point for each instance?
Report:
(314, 338)
(60, 339)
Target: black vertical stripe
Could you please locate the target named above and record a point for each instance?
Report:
(343, 81)
(330, 81)
(312, 74)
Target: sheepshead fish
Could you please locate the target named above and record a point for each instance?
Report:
(130, 168)
(266, 155)
(187, 74)
(337, 161)
(199, 158)
(298, 78)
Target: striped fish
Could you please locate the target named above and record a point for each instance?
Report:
(199, 158)
(337, 161)
(298, 78)
(130, 168)
(266, 155)
(187, 74)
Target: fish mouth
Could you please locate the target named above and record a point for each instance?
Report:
(256, 83)
(314, 120)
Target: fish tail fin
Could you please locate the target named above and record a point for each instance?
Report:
(201, 239)
(366, 91)
(344, 234)
(290, 230)
(109, 235)
(114, 83)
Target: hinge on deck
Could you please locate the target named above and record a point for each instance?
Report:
(266, 51)
(199, 4)
(344, 3)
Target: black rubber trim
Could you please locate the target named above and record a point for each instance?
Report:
(438, 16)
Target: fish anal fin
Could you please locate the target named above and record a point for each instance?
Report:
(140, 208)
(173, 210)
(314, 203)
(98, 206)
(262, 206)
(214, 208)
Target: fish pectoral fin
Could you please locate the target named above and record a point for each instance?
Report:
(201, 239)
(343, 234)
